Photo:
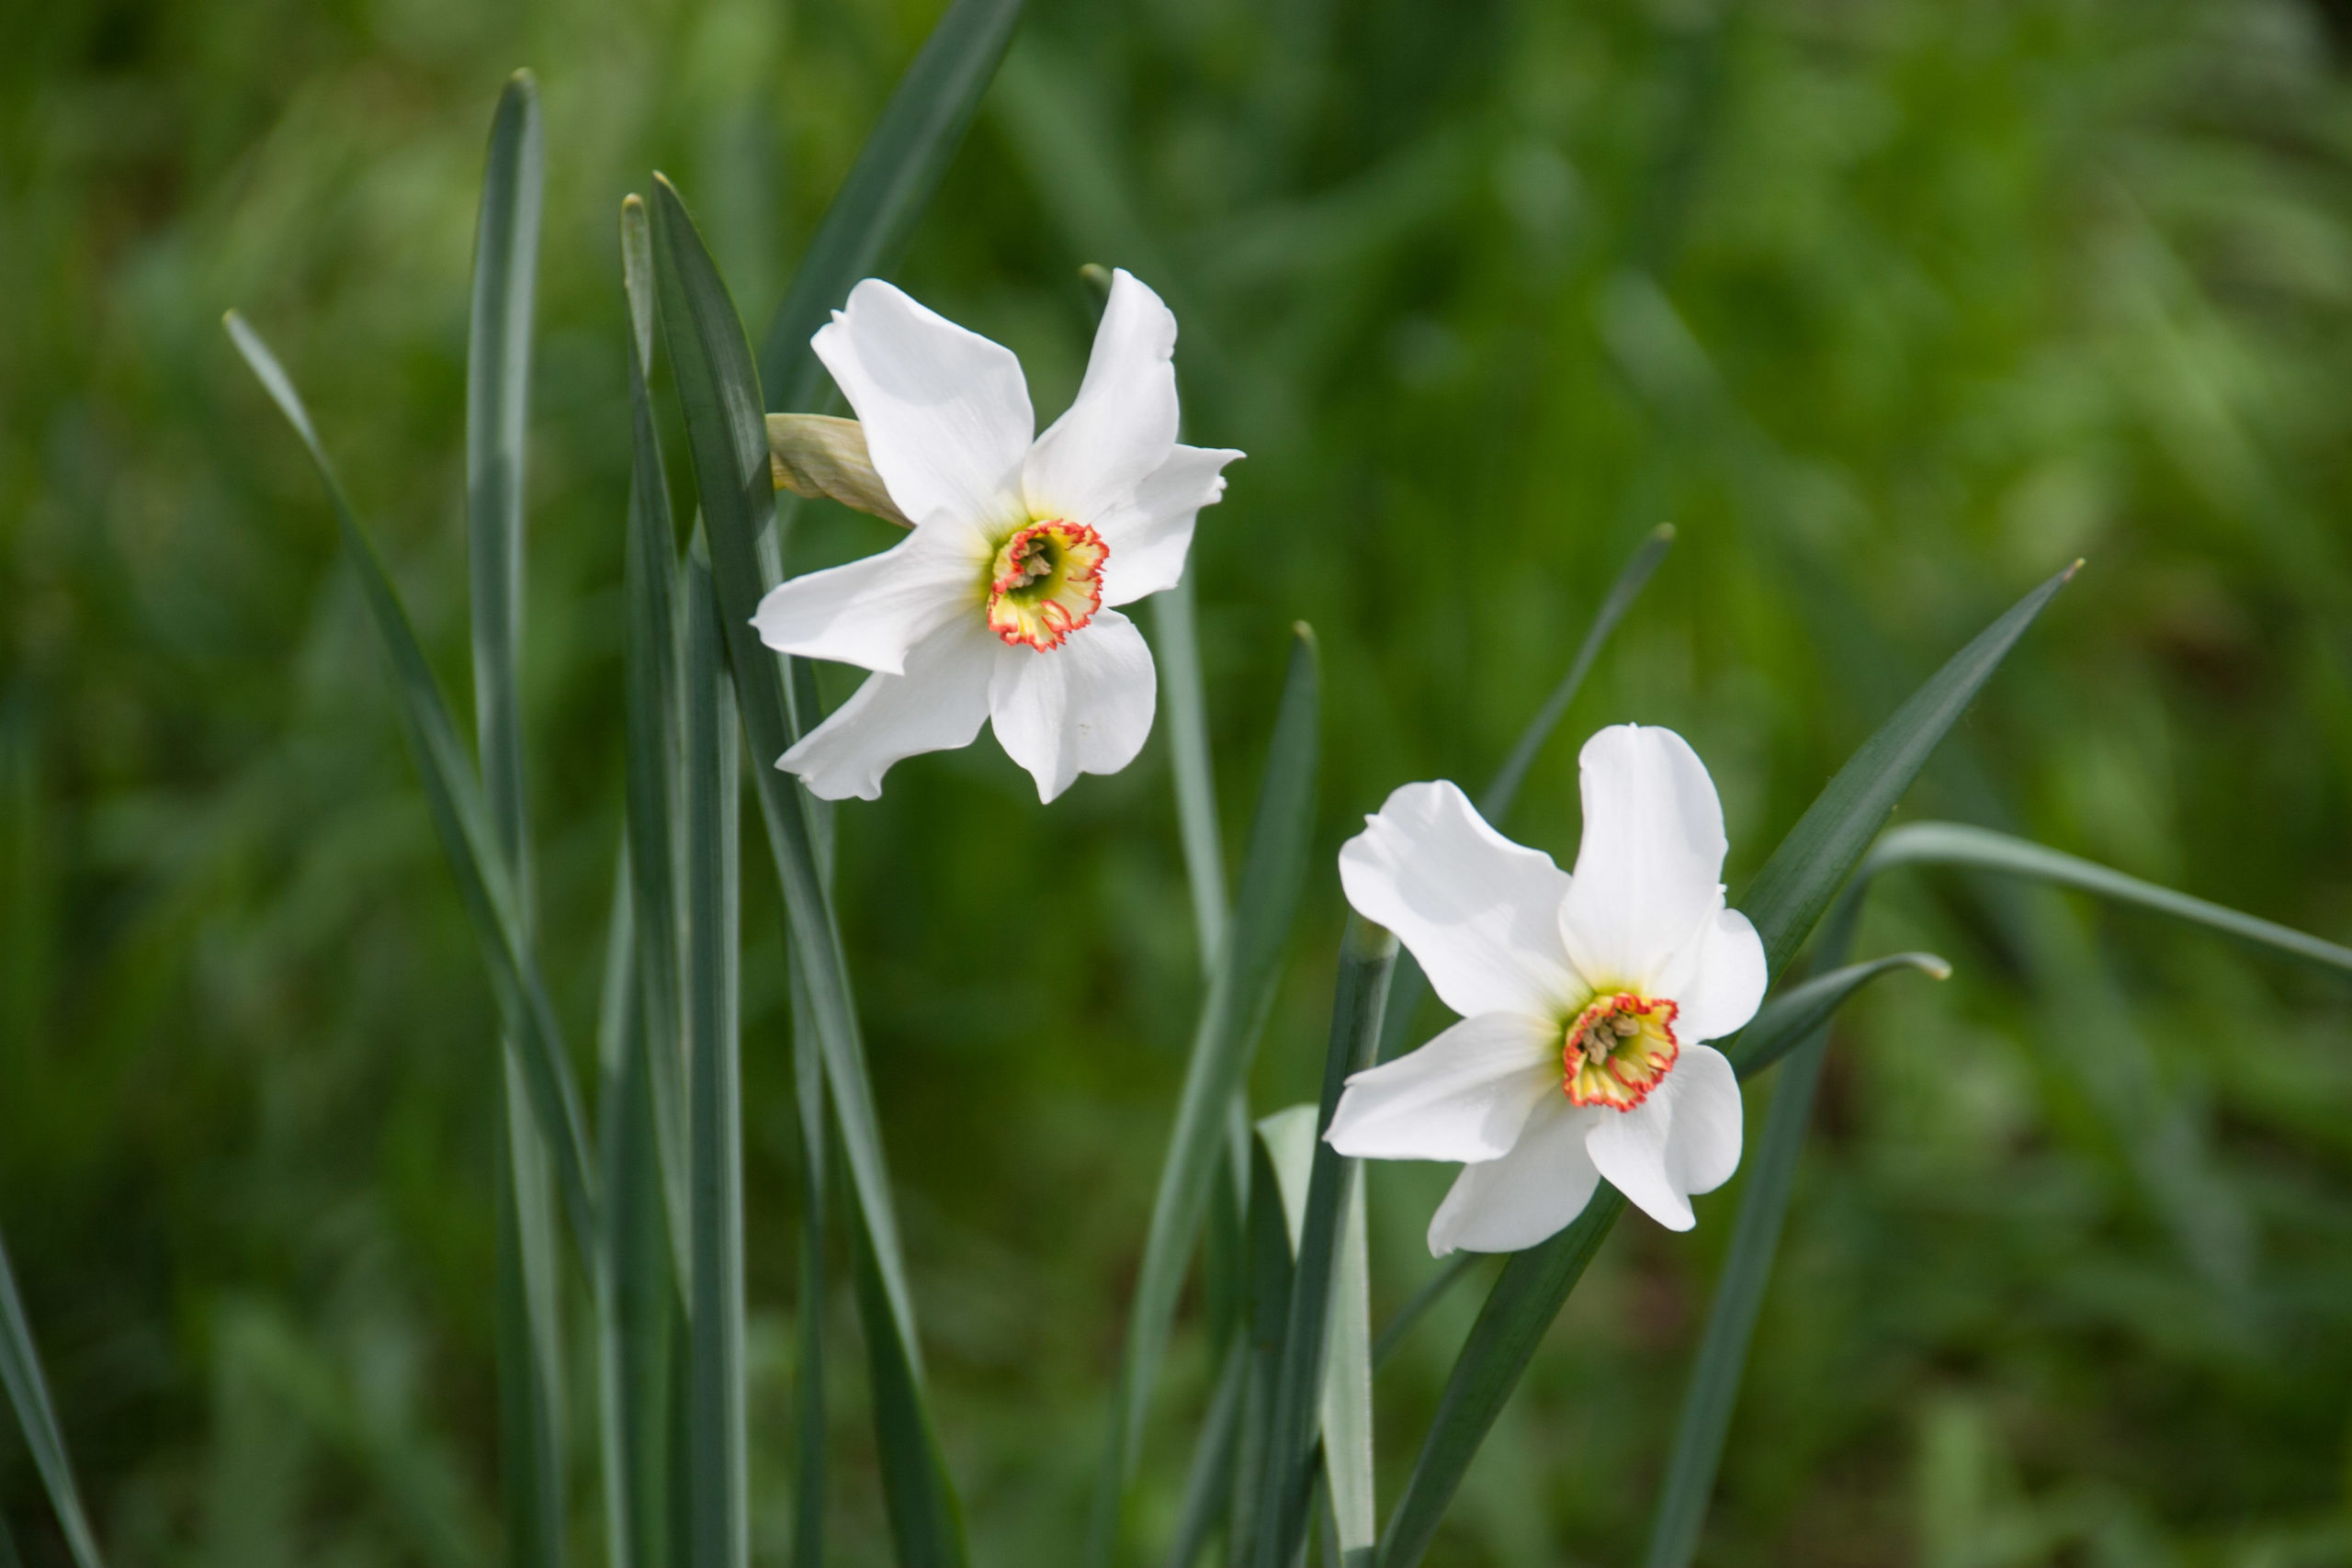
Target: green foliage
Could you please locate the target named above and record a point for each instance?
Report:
(1241, 992)
(1893, 310)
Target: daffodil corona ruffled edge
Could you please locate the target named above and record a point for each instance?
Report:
(1587, 1000)
(1002, 603)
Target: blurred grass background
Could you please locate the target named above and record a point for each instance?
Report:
(1893, 307)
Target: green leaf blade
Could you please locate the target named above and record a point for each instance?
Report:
(1789, 1018)
(727, 434)
(1796, 1024)
(711, 897)
(814, 1157)
(498, 377)
(896, 172)
(36, 1418)
(1813, 860)
(1366, 956)
(461, 820)
(727, 437)
(926, 1521)
(636, 1283)
(498, 387)
(1983, 848)
(1241, 993)
(1185, 714)
(653, 769)
(1518, 1312)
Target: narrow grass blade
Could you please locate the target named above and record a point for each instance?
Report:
(1632, 578)
(1785, 900)
(656, 754)
(1706, 1419)
(29, 1392)
(1309, 1389)
(462, 819)
(1805, 871)
(1208, 1482)
(1982, 848)
(1519, 1312)
(926, 1521)
(1348, 1475)
(1408, 986)
(530, 1340)
(1269, 1278)
(898, 170)
(636, 1287)
(711, 898)
(815, 1180)
(1788, 1019)
(1798, 1020)
(726, 435)
(498, 377)
(1240, 993)
(498, 384)
(1185, 719)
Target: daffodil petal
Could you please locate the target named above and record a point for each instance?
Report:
(1650, 866)
(1463, 1095)
(1084, 707)
(946, 412)
(1120, 428)
(1479, 912)
(937, 706)
(1684, 1138)
(1151, 533)
(1717, 981)
(1503, 1205)
(870, 613)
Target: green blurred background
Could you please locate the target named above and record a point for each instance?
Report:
(1893, 307)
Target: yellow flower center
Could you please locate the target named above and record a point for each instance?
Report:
(1046, 582)
(1618, 1049)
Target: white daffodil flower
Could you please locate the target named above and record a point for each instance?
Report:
(1586, 1000)
(1002, 603)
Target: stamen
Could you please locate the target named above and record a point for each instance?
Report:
(1618, 1049)
(1046, 582)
